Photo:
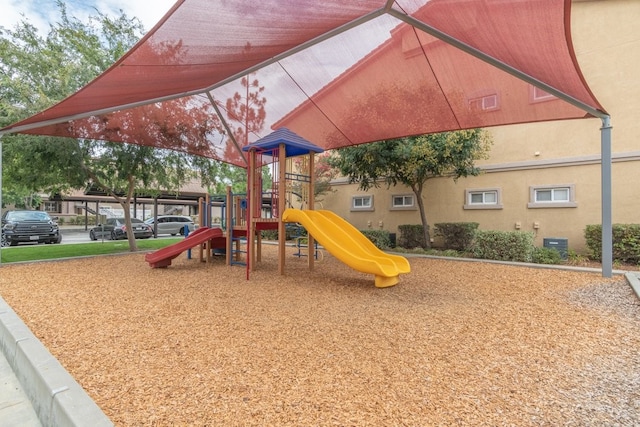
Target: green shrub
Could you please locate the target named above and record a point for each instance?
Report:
(456, 235)
(593, 237)
(80, 220)
(546, 256)
(380, 238)
(269, 234)
(576, 258)
(514, 246)
(411, 236)
(292, 231)
(451, 253)
(626, 242)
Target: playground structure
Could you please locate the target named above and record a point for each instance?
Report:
(245, 216)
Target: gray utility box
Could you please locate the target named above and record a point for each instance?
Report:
(559, 244)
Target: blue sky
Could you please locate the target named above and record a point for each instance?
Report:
(41, 12)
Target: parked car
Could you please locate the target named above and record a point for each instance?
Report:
(115, 229)
(29, 227)
(171, 224)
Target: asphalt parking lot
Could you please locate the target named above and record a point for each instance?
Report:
(80, 235)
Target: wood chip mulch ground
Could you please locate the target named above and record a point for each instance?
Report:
(454, 344)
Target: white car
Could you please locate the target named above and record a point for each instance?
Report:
(171, 224)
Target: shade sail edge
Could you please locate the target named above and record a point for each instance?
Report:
(339, 95)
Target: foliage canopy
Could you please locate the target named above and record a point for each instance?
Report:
(36, 72)
(411, 161)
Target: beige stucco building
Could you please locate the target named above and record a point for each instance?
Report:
(541, 177)
(82, 205)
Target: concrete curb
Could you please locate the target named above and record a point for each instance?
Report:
(512, 263)
(633, 277)
(55, 396)
(634, 281)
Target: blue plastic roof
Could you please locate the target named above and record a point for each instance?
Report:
(295, 145)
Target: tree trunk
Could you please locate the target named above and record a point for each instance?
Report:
(126, 205)
(131, 237)
(423, 217)
(124, 202)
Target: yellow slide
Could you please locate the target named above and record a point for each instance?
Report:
(349, 245)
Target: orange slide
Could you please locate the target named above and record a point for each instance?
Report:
(162, 257)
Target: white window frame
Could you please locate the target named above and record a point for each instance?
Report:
(363, 207)
(470, 192)
(538, 95)
(52, 206)
(489, 102)
(404, 206)
(562, 203)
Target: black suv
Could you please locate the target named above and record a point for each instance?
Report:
(29, 226)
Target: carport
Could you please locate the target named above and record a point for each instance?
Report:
(402, 67)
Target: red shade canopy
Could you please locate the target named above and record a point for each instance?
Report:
(336, 72)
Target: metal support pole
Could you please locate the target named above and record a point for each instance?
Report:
(86, 216)
(155, 217)
(607, 227)
(135, 205)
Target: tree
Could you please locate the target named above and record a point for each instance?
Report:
(324, 173)
(411, 161)
(246, 114)
(228, 175)
(36, 72)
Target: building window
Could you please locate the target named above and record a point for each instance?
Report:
(484, 103)
(539, 95)
(362, 203)
(552, 196)
(53, 207)
(402, 202)
(483, 198)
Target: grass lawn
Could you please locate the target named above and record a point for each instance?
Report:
(42, 252)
